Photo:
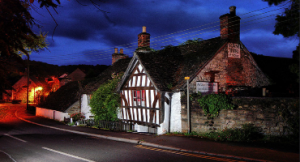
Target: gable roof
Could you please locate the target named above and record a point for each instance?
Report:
(76, 75)
(168, 67)
(23, 81)
(117, 67)
(68, 94)
(277, 69)
(62, 98)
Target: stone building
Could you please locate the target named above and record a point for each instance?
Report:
(153, 84)
(117, 56)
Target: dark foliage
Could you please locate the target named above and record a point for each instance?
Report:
(284, 82)
(287, 23)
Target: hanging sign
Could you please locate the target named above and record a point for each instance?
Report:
(234, 50)
(207, 87)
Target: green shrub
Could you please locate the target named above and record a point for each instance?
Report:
(248, 132)
(213, 103)
(105, 101)
(195, 96)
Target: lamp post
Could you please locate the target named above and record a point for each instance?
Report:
(188, 102)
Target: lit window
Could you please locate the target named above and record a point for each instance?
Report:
(139, 98)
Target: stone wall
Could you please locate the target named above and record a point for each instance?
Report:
(74, 108)
(265, 113)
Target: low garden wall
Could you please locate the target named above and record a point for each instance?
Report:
(273, 116)
(51, 114)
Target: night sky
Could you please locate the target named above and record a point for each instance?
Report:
(87, 34)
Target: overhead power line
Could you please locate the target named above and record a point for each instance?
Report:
(105, 55)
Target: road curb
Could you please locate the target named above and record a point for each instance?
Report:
(138, 142)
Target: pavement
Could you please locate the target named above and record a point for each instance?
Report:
(196, 145)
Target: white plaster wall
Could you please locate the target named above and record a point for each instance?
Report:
(176, 113)
(85, 107)
(140, 128)
(164, 126)
(48, 113)
(119, 113)
(175, 117)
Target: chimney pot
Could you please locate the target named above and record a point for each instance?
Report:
(116, 50)
(121, 51)
(144, 29)
(230, 25)
(232, 10)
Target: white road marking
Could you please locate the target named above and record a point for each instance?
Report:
(8, 156)
(15, 138)
(73, 156)
(133, 141)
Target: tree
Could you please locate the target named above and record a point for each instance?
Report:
(288, 25)
(294, 68)
(16, 23)
(16, 36)
(105, 101)
(288, 22)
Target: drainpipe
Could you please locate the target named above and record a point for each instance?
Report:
(170, 94)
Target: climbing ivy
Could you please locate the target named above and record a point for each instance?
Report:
(213, 103)
(105, 102)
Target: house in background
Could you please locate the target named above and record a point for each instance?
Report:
(7, 96)
(37, 90)
(53, 82)
(76, 75)
(74, 96)
(154, 83)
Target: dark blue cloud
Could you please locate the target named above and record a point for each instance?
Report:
(114, 23)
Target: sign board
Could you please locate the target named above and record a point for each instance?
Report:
(234, 50)
(207, 87)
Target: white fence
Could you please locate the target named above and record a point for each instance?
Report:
(51, 114)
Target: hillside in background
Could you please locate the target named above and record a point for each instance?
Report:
(43, 70)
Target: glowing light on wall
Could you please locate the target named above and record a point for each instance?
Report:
(38, 89)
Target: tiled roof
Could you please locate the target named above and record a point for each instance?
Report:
(77, 75)
(168, 67)
(68, 94)
(117, 67)
(62, 98)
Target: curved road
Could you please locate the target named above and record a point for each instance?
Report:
(21, 141)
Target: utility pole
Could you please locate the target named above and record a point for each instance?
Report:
(27, 81)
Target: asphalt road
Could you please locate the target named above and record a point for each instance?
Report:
(25, 142)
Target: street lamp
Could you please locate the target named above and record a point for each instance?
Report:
(188, 102)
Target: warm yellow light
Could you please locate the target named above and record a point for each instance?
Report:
(38, 88)
(186, 78)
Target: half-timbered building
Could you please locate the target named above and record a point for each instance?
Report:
(154, 83)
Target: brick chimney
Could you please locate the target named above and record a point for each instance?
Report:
(143, 40)
(117, 56)
(230, 26)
